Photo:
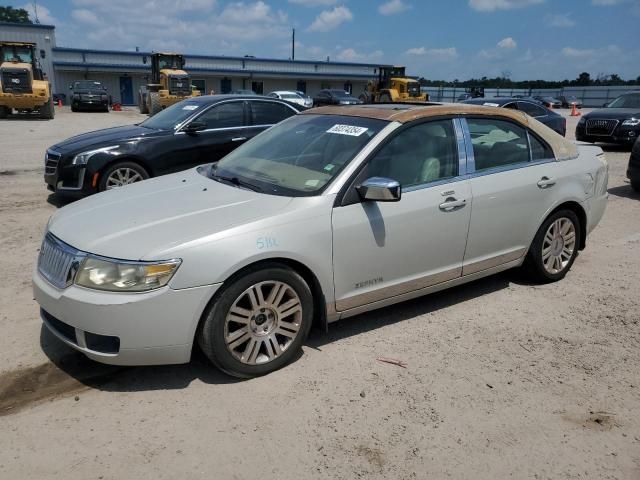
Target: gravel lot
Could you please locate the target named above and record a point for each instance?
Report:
(503, 378)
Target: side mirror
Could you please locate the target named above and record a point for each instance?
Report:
(380, 189)
(195, 127)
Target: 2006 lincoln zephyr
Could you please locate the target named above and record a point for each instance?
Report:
(331, 213)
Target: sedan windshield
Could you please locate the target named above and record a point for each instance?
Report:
(299, 156)
(626, 101)
(171, 117)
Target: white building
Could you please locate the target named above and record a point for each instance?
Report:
(123, 72)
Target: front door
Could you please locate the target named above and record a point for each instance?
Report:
(385, 249)
(126, 91)
(510, 193)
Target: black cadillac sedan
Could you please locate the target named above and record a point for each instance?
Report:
(618, 122)
(189, 133)
(550, 118)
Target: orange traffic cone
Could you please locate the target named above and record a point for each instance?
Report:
(574, 111)
(59, 103)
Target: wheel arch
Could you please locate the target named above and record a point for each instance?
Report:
(576, 208)
(107, 163)
(319, 300)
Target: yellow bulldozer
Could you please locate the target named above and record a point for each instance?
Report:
(23, 86)
(169, 83)
(393, 85)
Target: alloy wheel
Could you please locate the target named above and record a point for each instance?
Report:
(123, 176)
(558, 245)
(263, 322)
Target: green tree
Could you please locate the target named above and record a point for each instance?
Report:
(14, 15)
(584, 79)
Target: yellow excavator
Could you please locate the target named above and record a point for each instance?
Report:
(169, 83)
(23, 86)
(393, 85)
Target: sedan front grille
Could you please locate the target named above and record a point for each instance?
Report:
(58, 262)
(601, 126)
(51, 161)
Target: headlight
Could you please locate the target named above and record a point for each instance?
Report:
(83, 158)
(122, 276)
(631, 122)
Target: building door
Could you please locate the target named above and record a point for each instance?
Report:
(225, 85)
(257, 87)
(126, 91)
(301, 86)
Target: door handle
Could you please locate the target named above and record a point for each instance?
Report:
(451, 204)
(546, 182)
(238, 139)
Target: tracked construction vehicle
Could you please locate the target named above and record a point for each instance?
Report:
(23, 86)
(392, 85)
(169, 83)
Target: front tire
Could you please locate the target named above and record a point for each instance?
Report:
(4, 112)
(385, 98)
(635, 184)
(48, 111)
(121, 174)
(154, 103)
(142, 104)
(554, 248)
(258, 323)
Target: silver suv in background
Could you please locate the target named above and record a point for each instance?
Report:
(331, 213)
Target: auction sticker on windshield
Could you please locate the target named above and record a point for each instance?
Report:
(351, 130)
(190, 107)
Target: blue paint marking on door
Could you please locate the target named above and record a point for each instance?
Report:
(126, 91)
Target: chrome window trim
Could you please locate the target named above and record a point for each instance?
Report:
(462, 151)
(223, 129)
(471, 159)
(178, 128)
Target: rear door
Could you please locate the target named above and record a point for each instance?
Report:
(514, 181)
(266, 113)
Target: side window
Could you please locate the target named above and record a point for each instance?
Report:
(225, 115)
(531, 109)
(497, 143)
(539, 150)
(421, 154)
(269, 113)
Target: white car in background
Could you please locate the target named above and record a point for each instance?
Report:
(331, 213)
(293, 97)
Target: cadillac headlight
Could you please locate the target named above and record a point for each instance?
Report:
(83, 158)
(631, 122)
(123, 276)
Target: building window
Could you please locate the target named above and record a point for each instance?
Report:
(225, 85)
(200, 85)
(325, 86)
(301, 86)
(257, 87)
(348, 87)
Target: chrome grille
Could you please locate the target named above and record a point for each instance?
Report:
(58, 262)
(51, 161)
(601, 126)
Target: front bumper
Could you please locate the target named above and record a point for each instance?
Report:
(621, 135)
(23, 101)
(90, 104)
(68, 180)
(153, 328)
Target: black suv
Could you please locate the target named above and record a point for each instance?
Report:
(89, 95)
(617, 122)
(633, 170)
(191, 132)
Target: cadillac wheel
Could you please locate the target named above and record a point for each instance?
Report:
(121, 174)
(259, 322)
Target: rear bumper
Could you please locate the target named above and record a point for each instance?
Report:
(151, 328)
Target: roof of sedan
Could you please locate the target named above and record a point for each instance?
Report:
(403, 113)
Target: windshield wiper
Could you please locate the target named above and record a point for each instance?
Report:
(235, 181)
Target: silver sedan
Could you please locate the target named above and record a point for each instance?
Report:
(329, 214)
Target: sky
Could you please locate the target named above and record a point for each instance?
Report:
(436, 39)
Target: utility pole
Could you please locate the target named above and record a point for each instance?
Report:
(293, 45)
(35, 12)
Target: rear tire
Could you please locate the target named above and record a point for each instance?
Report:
(385, 98)
(259, 321)
(121, 174)
(635, 184)
(48, 110)
(4, 112)
(554, 248)
(154, 103)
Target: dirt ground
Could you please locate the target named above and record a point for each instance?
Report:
(504, 379)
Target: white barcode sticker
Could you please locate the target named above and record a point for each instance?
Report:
(489, 104)
(190, 107)
(351, 130)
